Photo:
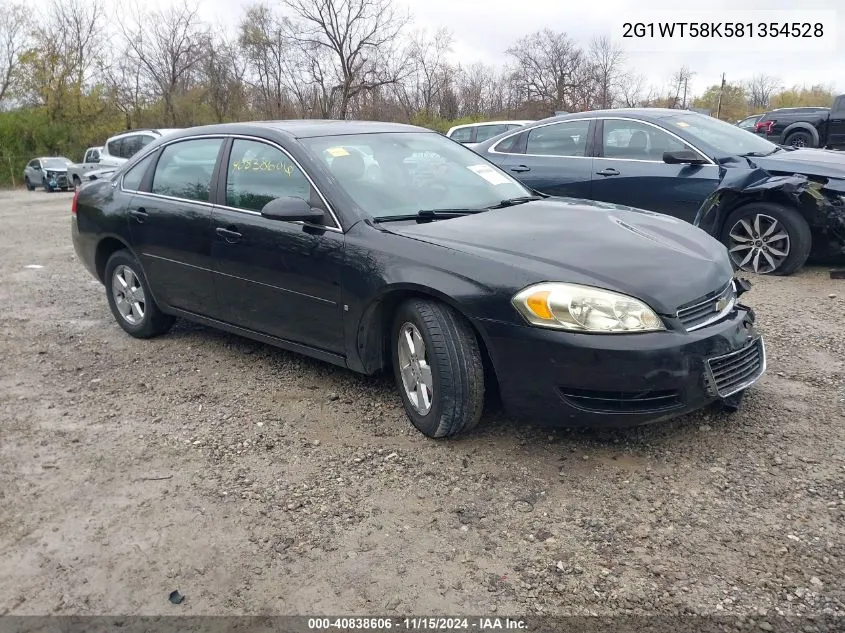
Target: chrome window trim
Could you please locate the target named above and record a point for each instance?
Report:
(709, 160)
(338, 228)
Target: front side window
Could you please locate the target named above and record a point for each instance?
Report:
(184, 169)
(35, 164)
(258, 173)
(132, 179)
(400, 173)
(462, 135)
(567, 138)
(638, 141)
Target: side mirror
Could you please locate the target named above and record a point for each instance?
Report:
(683, 157)
(291, 209)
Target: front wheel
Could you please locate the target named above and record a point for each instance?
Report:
(29, 185)
(767, 239)
(46, 186)
(130, 299)
(76, 181)
(438, 368)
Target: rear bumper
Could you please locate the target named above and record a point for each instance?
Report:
(569, 379)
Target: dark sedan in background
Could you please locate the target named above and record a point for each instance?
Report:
(426, 259)
(671, 161)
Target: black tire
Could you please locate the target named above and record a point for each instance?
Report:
(800, 138)
(457, 373)
(76, 181)
(153, 322)
(46, 186)
(29, 185)
(800, 239)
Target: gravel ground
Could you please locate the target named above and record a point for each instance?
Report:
(256, 481)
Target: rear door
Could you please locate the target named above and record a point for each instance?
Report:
(629, 170)
(553, 158)
(170, 223)
(275, 277)
(836, 134)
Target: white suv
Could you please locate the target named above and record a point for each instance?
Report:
(121, 147)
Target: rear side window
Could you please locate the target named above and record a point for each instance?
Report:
(567, 138)
(258, 173)
(462, 135)
(489, 131)
(114, 147)
(132, 179)
(131, 145)
(184, 169)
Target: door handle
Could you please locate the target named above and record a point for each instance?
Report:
(139, 214)
(520, 168)
(230, 235)
(610, 171)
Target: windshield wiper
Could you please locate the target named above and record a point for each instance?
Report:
(429, 214)
(761, 154)
(514, 201)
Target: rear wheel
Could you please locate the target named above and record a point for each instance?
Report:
(767, 239)
(800, 139)
(130, 299)
(438, 368)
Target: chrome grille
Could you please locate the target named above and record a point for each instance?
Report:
(706, 311)
(728, 374)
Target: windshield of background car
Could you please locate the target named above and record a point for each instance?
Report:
(722, 136)
(398, 173)
(55, 163)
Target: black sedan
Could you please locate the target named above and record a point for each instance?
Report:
(679, 163)
(377, 246)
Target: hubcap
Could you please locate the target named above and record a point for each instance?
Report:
(414, 369)
(758, 245)
(128, 294)
(799, 142)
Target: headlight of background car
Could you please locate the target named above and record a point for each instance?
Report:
(579, 308)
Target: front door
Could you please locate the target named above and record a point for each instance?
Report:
(275, 277)
(170, 223)
(553, 159)
(629, 170)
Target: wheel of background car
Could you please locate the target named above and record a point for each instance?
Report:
(767, 238)
(438, 368)
(800, 139)
(46, 186)
(29, 185)
(130, 299)
(76, 181)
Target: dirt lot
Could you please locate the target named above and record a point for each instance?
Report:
(253, 480)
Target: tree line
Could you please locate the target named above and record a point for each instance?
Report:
(76, 73)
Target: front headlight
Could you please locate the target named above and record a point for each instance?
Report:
(579, 308)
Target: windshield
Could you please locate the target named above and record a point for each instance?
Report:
(55, 163)
(722, 136)
(398, 173)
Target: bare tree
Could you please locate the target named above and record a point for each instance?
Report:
(760, 89)
(358, 38)
(224, 69)
(169, 46)
(631, 90)
(547, 68)
(123, 80)
(679, 86)
(605, 61)
(14, 37)
(429, 71)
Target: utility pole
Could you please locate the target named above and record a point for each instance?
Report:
(686, 85)
(721, 91)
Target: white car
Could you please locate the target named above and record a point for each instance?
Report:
(472, 133)
(121, 147)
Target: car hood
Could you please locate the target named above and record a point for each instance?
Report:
(56, 170)
(656, 258)
(810, 162)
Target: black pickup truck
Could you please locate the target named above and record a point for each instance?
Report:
(806, 127)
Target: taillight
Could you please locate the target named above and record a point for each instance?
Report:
(73, 204)
(764, 126)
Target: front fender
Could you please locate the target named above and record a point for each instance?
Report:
(804, 127)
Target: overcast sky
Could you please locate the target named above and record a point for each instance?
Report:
(483, 29)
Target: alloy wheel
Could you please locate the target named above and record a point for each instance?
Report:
(759, 244)
(414, 368)
(799, 141)
(128, 294)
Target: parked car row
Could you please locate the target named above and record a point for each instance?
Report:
(672, 162)
(53, 173)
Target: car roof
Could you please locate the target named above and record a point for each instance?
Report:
(303, 128)
(498, 122)
(640, 113)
